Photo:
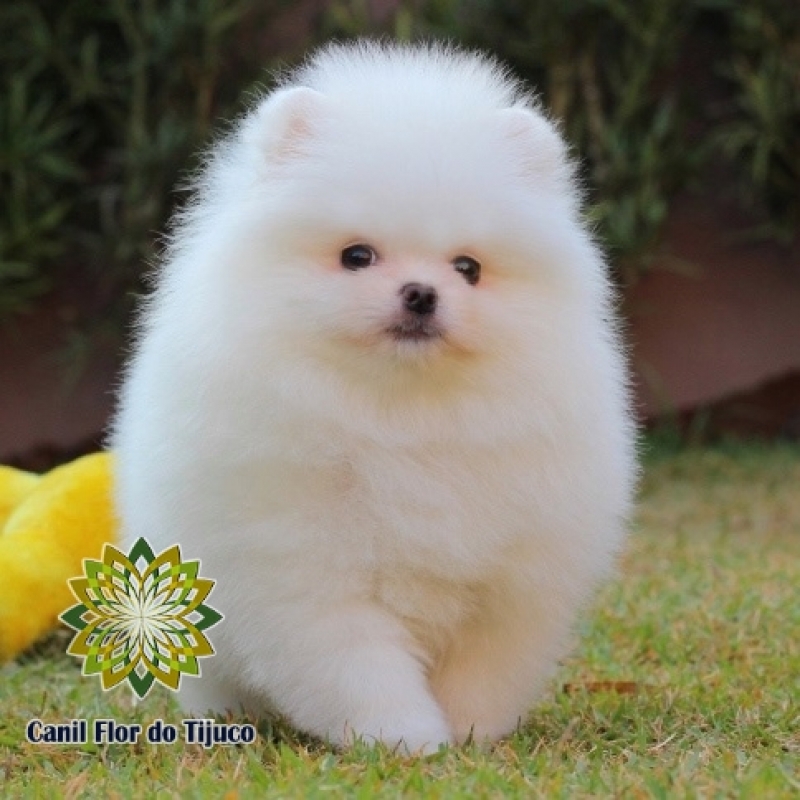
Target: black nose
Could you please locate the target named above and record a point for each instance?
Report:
(419, 298)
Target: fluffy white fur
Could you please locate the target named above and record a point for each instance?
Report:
(403, 531)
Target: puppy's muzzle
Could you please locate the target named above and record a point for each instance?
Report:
(418, 321)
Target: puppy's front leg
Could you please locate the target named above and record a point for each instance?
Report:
(490, 676)
(347, 671)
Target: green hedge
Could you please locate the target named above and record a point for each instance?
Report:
(103, 107)
(104, 104)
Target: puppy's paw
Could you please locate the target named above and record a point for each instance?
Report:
(411, 736)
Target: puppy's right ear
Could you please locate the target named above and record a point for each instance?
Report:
(283, 126)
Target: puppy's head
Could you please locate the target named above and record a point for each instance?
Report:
(409, 207)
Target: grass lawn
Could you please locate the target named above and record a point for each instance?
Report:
(685, 681)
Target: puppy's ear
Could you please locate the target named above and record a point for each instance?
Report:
(539, 148)
(284, 125)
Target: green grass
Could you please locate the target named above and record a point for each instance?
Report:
(698, 641)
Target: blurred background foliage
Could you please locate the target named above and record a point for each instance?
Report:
(104, 107)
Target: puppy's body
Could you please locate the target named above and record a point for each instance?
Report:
(403, 507)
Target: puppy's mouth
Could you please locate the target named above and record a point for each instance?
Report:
(415, 330)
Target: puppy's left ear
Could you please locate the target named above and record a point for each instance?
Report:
(284, 125)
(539, 148)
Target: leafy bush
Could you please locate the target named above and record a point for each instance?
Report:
(102, 106)
(764, 135)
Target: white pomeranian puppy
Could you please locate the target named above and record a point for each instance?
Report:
(380, 393)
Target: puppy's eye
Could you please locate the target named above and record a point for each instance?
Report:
(469, 268)
(358, 256)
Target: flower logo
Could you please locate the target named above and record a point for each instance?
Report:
(141, 623)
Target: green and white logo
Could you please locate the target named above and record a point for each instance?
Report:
(141, 617)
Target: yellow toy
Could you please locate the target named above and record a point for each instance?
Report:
(48, 525)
